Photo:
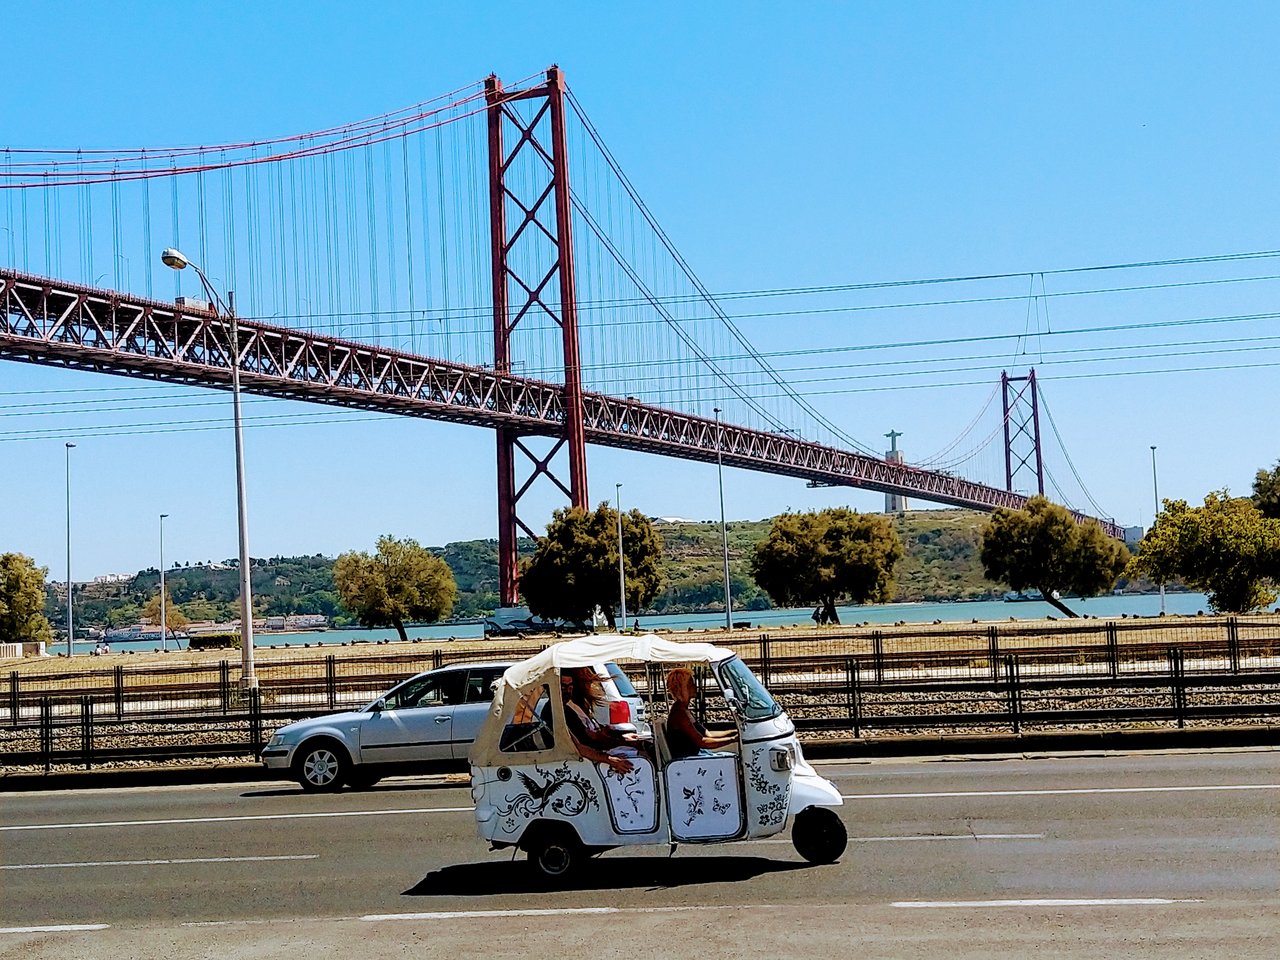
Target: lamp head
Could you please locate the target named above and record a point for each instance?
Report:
(173, 257)
(70, 444)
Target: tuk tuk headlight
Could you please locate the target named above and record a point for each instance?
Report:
(781, 759)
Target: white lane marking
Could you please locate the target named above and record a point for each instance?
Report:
(481, 914)
(240, 819)
(1118, 902)
(846, 796)
(154, 863)
(926, 836)
(545, 912)
(489, 914)
(951, 836)
(57, 928)
(1061, 792)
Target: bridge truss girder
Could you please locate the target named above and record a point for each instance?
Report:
(67, 325)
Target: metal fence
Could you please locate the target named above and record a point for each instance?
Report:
(851, 681)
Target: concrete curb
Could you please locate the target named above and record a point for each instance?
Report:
(848, 748)
(1205, 738)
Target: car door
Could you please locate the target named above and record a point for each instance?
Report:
(469, 716)
(416, 723)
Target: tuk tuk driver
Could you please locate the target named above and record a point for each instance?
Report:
(685, 735)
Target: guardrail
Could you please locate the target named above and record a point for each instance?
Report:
(828, 700)
(852, 681)
(927, 653)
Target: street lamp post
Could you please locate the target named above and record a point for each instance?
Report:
(622, 572)
(70, 627)
(164, 620)
(174, 258)
(1155, 489)
(724, 529)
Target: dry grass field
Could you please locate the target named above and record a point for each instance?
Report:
(277, 650)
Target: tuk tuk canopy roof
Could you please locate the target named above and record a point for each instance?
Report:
(586, 651)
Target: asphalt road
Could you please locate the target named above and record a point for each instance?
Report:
(1168, 855)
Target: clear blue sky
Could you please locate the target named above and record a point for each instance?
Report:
(780, 145)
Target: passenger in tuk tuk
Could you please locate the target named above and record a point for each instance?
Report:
(685, 735)
(582, 694)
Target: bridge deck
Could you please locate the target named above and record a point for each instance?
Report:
(49, 322)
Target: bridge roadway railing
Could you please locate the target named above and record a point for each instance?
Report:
(850, 681)
(53, 323)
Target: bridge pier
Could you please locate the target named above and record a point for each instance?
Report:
(516, 266)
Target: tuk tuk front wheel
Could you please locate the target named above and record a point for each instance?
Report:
(818, 835)
(555, 853)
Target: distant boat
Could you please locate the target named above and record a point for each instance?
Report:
(1035, 596)
(513, 621)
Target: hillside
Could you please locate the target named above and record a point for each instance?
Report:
(941, 563)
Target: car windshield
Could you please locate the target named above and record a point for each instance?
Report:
(621, 681)
(754, 700)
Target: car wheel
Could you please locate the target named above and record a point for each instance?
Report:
(556, 853)
(819, 835)
(322, 766)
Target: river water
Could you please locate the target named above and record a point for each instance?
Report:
(1103, 608)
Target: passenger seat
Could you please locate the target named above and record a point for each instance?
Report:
(660, 742)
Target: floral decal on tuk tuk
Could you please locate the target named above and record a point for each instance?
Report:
(773, 809)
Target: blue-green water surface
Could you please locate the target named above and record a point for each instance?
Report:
(1102, 608)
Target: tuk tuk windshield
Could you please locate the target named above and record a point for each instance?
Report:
(754, 700)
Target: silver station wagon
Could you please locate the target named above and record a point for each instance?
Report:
(429, 720)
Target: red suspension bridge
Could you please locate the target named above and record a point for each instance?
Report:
(356, 245)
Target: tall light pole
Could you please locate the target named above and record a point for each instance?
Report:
(622, 572)
(724, 529)
(70, 628)
(1155, 489)
(164, 621)
(174, 258)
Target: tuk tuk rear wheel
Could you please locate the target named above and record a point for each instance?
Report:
(555, 853)
(818, 835)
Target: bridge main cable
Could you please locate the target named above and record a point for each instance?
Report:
(48, 322)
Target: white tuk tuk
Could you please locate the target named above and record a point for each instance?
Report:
(534, 791)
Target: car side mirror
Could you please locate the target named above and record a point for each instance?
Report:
(378, 705)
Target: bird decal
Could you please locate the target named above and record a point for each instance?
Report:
(561, 790)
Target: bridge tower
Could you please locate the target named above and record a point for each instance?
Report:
(532, 261)
(1021, 429)
(894, 502)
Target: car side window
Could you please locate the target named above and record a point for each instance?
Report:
(480, 685)
(438, 690)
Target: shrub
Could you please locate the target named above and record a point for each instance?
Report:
(214, 641)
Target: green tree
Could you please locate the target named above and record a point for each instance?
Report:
(1266, 492)
(175, 617)
(575, 566)
(821, 557)
(1042, 547)
(22, 598)
(1226, 548)
(403, 581)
